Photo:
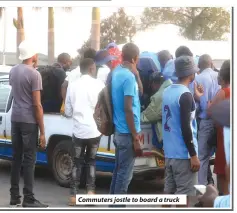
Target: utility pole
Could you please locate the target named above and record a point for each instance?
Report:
(4, 37)
(95, 28)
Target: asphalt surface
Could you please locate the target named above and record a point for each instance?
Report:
(47, 191)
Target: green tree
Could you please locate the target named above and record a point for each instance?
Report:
(119, 28)
(196, 23)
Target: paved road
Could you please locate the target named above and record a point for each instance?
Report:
(47, 190)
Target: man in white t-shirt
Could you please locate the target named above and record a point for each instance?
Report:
(81, 100)
(102, 62)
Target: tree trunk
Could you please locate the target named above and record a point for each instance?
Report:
(193, 31)
(50, 35)
(20, 30)
(95, 28)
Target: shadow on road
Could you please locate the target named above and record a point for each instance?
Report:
(103, 180)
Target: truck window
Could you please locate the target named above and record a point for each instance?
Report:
(4, 94)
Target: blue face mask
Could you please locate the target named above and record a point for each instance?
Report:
(226, 131)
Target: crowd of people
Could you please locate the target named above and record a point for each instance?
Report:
(180, 97)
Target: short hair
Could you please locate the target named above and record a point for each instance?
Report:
(205, 61)
(89, 53)
(85, 64)
(164, 55)
(63, 58)
(129, 52)
(225, 71)
(183, 51)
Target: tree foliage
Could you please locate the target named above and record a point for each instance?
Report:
(196, 23)
(119, 28)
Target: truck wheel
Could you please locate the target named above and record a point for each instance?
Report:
(62, 164)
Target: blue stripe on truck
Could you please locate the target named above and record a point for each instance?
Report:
(104, 162)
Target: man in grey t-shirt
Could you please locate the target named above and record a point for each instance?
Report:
(26, 119)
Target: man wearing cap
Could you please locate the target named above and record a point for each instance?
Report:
(113, 50)
(104, 60)
(26, 119)
(209, 80)
(180, 131)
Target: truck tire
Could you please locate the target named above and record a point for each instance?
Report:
(62, 164)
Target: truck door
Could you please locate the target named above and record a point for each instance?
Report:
(4, 95)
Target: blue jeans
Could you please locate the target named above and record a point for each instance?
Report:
(204, 150)
(124, 162)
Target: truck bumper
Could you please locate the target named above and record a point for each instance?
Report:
(149, 172)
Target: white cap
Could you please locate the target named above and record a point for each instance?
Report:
(27, 50)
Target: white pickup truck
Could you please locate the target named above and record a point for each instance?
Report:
(58, 130)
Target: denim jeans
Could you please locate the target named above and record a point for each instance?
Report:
(24, 147)
(124, 162)
(79, 158)
(204, 150)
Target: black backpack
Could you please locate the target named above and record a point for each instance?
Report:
(50, 83)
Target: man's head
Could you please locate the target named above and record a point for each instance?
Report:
(183, 51)
(205, 61)
(224, 74)
(156, 80)
(28, 53)
(185, 68)
(103, 57)
(130, 53)
(87, 67)
(65, 60)
(164, 56)
(90, 53)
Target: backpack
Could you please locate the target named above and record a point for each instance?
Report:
(49, 83)
(103, 114)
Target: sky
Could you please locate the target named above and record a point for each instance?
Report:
(72, 29)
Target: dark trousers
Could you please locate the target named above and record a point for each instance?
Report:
(84, 152)
(24, 148)
(209, 172)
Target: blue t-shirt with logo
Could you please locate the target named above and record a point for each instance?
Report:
(173, 142)
(124, 84)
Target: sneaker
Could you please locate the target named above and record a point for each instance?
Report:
(33, 203)
(90, 193)
(72, 201)
(15, 201)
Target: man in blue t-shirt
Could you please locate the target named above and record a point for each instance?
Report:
(126, 86)
(167, 64)
(180, 131)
